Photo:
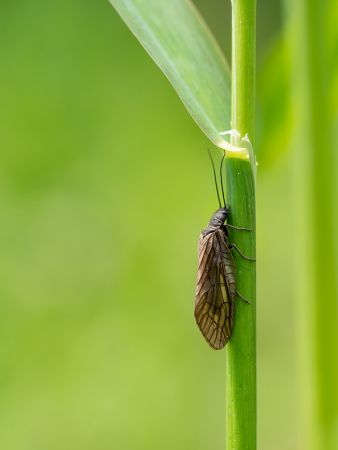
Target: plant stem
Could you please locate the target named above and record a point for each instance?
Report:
(314, 183)
(243, 66)
(241, 350)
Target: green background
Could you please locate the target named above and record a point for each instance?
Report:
(105, 184)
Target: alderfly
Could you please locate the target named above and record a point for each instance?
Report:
(216, 278)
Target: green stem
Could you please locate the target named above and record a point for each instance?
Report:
(314, 182)
(241, 350)
(243, 66)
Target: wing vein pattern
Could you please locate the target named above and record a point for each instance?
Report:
(216, 290)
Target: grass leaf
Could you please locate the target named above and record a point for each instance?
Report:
(179, 41)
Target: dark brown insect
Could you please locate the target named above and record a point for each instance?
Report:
(216, 279)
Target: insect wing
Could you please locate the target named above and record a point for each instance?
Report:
(214, 302)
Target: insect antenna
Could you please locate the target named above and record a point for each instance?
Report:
(213, 169)
(220, 174)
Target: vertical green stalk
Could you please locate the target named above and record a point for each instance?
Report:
(315, 172)
(241, 350)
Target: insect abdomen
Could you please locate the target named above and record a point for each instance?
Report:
(229, 266)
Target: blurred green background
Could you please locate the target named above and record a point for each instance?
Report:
(105, 185)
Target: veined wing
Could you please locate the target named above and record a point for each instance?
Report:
(214, 302)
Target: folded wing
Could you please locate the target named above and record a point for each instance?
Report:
(215, 293)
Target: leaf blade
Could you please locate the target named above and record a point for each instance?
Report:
(180, 43)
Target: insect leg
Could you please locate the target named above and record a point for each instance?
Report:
(234, 246)
(237, 228)
(243, 298)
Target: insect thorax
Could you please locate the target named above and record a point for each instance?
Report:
(209, 229)
(217, 221)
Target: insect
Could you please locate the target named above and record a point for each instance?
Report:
(216, 279)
